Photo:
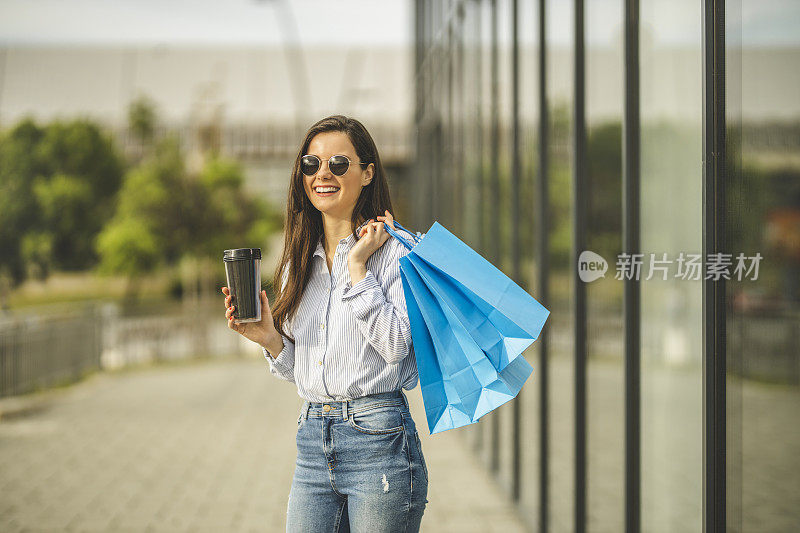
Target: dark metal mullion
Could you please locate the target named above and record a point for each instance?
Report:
(481, 241)
(421, 166)
(449, 154)
(714, 341)
(460, 133)
(580, 205)
(631, 178)
(431, 101)
(494, 208)
(436, 92)
(515, 244)
(543, 216)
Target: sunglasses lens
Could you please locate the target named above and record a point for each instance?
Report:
(309, 165)
(338, 165)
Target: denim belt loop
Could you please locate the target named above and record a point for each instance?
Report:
(306, 407)
(405, 400)
(344, 409)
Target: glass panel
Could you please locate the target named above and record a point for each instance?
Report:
(471, 117)
(528, 13)
(605, 366)
(671, 224)
(560, 30)
(483, 430)
(505, 109)
(763, 215)
(487, 226)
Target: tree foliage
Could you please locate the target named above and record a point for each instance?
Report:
(69, 201)
(142, 120)
(57, 183)
(179, 215)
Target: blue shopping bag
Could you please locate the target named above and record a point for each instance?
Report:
(470, 324)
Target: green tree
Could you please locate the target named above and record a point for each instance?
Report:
(66, 214)
(36, 248)
(148, 206)
(19, 164)
(130, 247)
(604, 170)
(234, 218)
(56, 187)
(180, 216)
(560, 187)
(142, 120)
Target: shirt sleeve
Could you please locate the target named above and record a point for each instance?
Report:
(381, 312)
(282, 365)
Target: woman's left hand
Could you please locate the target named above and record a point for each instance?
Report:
(372, 237)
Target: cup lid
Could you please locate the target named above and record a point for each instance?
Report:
(239, 254)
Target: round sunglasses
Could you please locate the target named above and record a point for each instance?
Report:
(338, 164)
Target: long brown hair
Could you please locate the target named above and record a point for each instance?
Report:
(304, 221)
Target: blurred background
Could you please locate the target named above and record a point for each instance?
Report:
(139, 140)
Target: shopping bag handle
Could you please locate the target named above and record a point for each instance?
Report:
(402, 240)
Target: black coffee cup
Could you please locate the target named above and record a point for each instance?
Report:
(243, 270)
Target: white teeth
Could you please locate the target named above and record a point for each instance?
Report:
(327, 189)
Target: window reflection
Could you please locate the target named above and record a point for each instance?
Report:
(605, 366)
(561, 358)
(764, 314)
(671, 222)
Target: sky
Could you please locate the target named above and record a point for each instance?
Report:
(354, 22)
(124, 22)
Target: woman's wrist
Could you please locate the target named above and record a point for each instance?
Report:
(273, 343)
(358, 270)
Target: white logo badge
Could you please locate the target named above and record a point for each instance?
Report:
(591, 266)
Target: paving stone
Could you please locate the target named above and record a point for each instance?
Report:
(200, 447)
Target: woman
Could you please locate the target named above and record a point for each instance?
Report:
(339, 330)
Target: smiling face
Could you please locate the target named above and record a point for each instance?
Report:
(346, 188)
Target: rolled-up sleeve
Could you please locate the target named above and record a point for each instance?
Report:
(380, 308)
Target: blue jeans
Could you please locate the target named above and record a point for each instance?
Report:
(359, 467)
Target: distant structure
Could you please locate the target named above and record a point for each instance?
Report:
(236, 101)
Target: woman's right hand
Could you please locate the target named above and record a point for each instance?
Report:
(262, 332)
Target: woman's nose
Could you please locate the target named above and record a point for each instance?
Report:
(324, 170)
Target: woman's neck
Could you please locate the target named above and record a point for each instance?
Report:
(334, 229)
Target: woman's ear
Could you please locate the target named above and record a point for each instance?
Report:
(367, 177)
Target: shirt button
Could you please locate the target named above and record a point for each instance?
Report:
(322, 326)
(319, 363)
(326, 407)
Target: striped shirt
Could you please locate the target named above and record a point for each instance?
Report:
(349, 340)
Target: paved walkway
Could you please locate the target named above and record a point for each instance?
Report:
(202, 446)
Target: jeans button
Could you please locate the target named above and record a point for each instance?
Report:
(326, 408)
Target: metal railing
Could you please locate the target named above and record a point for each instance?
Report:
(44, 351)
(52, 349)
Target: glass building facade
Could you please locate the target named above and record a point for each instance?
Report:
(662, 136)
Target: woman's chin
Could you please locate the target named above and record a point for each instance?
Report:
(332, 211)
